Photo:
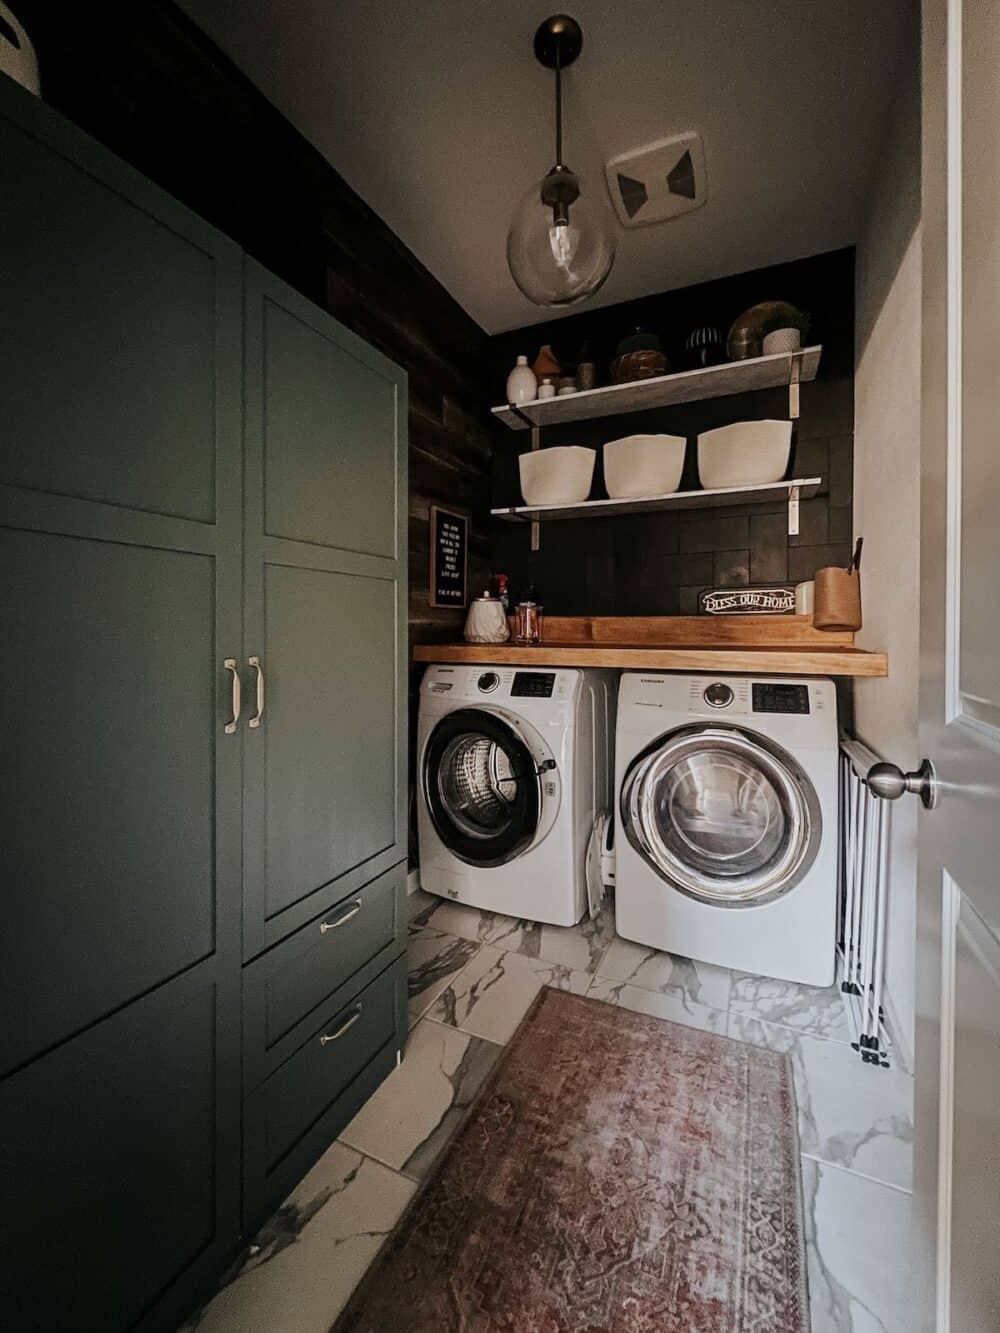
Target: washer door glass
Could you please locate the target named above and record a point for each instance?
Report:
(726, 816)
(481, 787)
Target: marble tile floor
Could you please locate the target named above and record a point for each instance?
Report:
(473, 976)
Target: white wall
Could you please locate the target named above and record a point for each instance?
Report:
(887, 501)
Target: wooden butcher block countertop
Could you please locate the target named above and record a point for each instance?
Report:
(775, 645)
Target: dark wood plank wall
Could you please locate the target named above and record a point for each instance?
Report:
(142, 79)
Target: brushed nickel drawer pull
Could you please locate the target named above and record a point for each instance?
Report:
(230, 665)
(348, 1023)
(255, 720)
(351, 910)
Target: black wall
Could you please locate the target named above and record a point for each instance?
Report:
(142, 79)
(657, 564)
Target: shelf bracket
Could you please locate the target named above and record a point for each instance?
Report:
(536, 527)
(518, 413)
(794, 376)
(793, 511)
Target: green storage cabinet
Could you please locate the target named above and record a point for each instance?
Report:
(198, 468)
(324, 803)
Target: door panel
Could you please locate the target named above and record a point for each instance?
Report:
(120, 544)
(975, 1077)
(93, 299)
(114, 1187)
(107, 784)
(329, 448)
(324, 781)
(956, 1196)
(331, 741)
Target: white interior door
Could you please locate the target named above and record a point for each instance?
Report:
(958, 931)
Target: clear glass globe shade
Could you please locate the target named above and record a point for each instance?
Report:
(557, 264)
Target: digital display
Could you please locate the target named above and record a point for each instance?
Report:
(533, 685)
(779, 698)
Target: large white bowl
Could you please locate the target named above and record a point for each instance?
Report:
(561, 474)
(643, 465)
(747, 453)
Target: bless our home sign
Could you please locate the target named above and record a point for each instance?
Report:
(748, 602)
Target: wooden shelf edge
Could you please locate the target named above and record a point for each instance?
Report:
(786, 661)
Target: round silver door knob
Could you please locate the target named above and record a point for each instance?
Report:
(889, 782)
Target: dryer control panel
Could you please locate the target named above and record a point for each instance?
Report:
(533, 685)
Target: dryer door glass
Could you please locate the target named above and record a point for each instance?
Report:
(481, 787)
(722, 814)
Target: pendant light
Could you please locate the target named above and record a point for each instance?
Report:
(560, 246)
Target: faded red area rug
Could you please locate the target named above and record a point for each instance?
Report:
(618, 1174)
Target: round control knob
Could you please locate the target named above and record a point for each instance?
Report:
(718, 695)
(488, 681)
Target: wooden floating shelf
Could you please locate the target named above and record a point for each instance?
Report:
(688, 386)
(799, 488)
(771, 645)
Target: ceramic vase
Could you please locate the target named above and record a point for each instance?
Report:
(522, 386)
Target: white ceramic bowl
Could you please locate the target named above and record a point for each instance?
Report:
(643, 465)
(747, 453)
(558, 475)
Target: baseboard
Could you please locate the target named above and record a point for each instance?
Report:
(413, 881)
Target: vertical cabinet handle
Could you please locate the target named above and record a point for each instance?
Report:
(255, 720)
(230, 665)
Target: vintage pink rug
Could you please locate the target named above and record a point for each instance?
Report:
(618, 1174)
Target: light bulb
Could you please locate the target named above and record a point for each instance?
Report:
(563, 239)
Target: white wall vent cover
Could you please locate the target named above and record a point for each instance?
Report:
(659, 181)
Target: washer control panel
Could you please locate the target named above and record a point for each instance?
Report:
(718, 695)
(780, 697)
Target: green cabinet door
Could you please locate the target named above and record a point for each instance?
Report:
(120, 789)
(325, 610)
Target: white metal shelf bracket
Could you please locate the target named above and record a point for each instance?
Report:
(793, 511)
(536, 527)
(794, 376)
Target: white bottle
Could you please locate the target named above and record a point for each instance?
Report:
(521, 383)
(547, 389)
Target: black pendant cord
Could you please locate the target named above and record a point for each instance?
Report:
(559, 155)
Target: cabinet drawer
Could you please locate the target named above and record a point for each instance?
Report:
(293, 1117)
(321, 964)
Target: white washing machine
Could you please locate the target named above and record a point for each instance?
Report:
(512, 767)
(728, 808)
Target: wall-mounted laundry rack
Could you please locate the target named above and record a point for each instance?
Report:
(863, 878)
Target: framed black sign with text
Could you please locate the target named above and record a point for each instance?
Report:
(449, 558)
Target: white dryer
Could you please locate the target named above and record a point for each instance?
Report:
(512, 767)
(728, 806)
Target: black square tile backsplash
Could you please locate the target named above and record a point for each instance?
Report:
(658, 564)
